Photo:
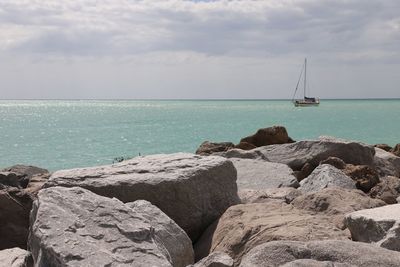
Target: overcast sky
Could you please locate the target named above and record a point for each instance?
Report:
(116, 49)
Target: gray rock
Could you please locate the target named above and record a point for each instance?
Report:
(15, 257)
(314, 151)
(75, 227)
(167, 233)
(242, 154)
(286, 194)
(338, 252)
(386, 163)
(261, 174)
(25, 173)
(379, 225)
(192, 190)
(216, 259)
(315, 263)
(325, 176)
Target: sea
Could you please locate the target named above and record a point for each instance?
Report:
(60, 134)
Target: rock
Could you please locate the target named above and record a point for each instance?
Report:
(25, 173)
(387, 190)
(208, 148)
(396, 150)
(245, 146)
(325, 176)
(15, 257)
(15, 205)
(305, 171)
(313, 152)
(378, 225)
(365, 176)
(336, 202)
(9, 179)
(335, 162)
(36, 183)
(268, 136)
(245, 226)
(286, 194)
(260, 174)
(216, 259)
(385, 147)
(192, 190)
(338, 252)
(315, 263)
(386, 163)
(75, 227)
(167, 233)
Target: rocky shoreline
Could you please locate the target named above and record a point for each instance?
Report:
(267, 201)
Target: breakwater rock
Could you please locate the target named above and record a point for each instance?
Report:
(268, 201)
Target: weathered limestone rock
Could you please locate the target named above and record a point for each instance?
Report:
(9, 179)
(75, 227)
(192, 190)
(286, 194)
(245, 226)
(336, 202)
(25, 173)
(167, 233)
(378, 225)
(386, 163)
(215, 259)
(208, 148)
(385, 147)
(396, 150)
(387, 190)
(260, 174)
(328, 253)
(365, 176)
(325, 176)
(268, 136)
(315, 263)
(15, 257)
(245, 146)
(335, 162)
(15, 205)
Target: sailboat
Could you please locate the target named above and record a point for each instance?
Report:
(306, 101)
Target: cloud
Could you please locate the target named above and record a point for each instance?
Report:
(235, 28)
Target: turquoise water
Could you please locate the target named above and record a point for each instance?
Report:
(67, 134)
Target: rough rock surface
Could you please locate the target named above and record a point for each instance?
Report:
(286, 194)
(167, 232)
(192, 190)
(336, 202)
(387, 190)
(386, 163)
(15, 257)
(313, 152)
(9, 179)
(379, 225)
(396, 150)
(25, 173)
(325, 176)
(208, 148)
(260, 174)
(245, 146)
(75, 227)
(268, 136)
(385, 147)
(15, 205)
(245, 226)
(330, 253)
(335, 162)
(215, 259)
(365, 176)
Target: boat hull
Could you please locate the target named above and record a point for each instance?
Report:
(301, 103)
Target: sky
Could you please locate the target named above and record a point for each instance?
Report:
(170, 49)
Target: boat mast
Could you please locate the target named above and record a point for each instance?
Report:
(305, 76)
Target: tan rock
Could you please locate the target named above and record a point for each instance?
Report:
(268, 136)
(208, 148)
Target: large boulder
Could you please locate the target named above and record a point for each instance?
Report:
(325, 176)
(379, 225)
(242, 227)
(268, 136)
(167, 232)
(15, 205)
(15, 257)
(75, 227)
(261, 174)
(208, 148)
(192, 190)
(329, 253)
(309, 151)
(386, 163)
(336, 202)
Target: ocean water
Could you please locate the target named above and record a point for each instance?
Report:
(67, 134)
